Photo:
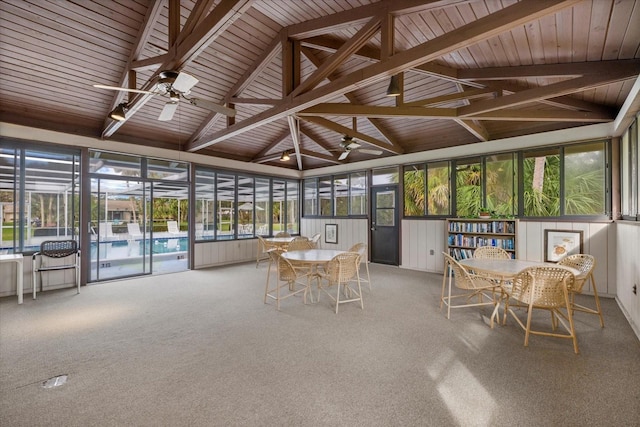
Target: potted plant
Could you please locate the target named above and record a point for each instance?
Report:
(484, 213)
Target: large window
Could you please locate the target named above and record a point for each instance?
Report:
(39, 196)
(426, 189)
(501, 184)
(571, 180)
(358, 194)
(238, 206)
(468, 187)
(338, 195)
(585, 179)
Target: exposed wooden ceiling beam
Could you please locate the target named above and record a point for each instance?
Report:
(550, 91)
(143, 36)
(346, 50)
(348, 110)
(572, 69)
(348, 18)
(351, 132)
(474, 32)
(309, 133)
(320, 156)
(474, 128)
(351, 97)
(216, 22)
(295, 137)
(443, 99)
(272, 145)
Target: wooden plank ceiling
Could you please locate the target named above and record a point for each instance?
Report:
(302, 74)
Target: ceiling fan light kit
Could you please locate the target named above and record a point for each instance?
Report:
(174, 85)
(119, 113)
(394, 86)
(285, 156)
(347, 144)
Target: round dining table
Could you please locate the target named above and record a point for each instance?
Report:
(312, 259)
(311, 256)
(503, 270)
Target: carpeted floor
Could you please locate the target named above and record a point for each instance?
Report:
(200, 348)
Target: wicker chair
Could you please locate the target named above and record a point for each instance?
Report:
(361, 248)
(300, 243)
(315, 239)
(282, 234)
(472, 285)
(342, 272)
(585, 264)
(288, 279)
(262, 253)
(545, 288)
(490, 252)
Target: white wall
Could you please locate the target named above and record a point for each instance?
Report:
(628, 267)
(350, 231)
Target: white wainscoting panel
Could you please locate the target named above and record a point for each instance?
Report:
(419, 239)
(210, 254)
(628, 268)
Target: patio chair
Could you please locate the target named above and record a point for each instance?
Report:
(172, 227)
(544, 288)
(474, 286)
(341, 272)
(262, 253)
(283, 234)
(585, 264)
(105, 230)
(56, 255)
(133, 229)
(199, 230)
(288, 280)
(361, 248)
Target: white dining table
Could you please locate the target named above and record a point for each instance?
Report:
(311, 256)
(281, 242)
(312, 259)
(503, 270)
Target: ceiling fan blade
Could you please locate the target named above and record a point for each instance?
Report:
(213, 106)
(344, 155)
(124, 89)
(369, 151)
(167, 112)
(184, 82)
(352, 145)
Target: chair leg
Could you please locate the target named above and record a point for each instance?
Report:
(597, 310)
(528, 329)
(595, 296)
(366, 264)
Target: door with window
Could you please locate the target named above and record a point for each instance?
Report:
(385, 229)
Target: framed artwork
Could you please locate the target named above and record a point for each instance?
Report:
(331, 233)
(560, 243)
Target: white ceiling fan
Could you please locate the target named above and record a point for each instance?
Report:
(174, 85)
(348, 145)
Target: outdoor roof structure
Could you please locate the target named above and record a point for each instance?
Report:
(302, 74)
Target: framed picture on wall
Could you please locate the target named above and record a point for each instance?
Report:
(331, 233)
(560, 243)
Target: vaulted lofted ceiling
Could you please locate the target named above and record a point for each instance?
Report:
(300, 75)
